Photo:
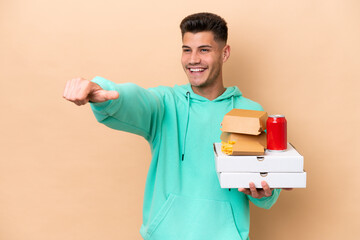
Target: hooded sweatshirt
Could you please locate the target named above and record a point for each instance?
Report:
(183, 199)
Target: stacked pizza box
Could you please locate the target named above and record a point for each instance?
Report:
(242, 157)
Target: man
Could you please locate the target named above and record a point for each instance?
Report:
(183, 199)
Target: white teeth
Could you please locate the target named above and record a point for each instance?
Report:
(196, 70)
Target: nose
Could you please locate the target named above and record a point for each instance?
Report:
(194, 58)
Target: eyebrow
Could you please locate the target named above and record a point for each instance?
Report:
(202, 46)
(205, 46)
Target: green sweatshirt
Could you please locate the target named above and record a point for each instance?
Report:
(183, 199)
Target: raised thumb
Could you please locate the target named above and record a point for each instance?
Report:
(103, 95)
(111, 95)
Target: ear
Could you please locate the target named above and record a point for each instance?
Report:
(226, 53)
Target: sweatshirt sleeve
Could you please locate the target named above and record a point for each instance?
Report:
(266, 202)
(137, 110)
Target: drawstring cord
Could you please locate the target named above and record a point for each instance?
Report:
(187, 121)
(186, 127)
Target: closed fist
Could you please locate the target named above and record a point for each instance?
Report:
(80, 91)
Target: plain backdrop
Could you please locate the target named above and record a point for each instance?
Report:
(65, 176)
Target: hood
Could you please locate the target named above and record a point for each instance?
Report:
(229, 92)
(188, 94)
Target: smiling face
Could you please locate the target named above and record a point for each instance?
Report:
(202, 59)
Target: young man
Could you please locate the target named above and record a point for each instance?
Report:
(183, 199)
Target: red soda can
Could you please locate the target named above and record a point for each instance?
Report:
(276, 133)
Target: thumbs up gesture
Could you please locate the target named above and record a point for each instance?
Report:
(80, 91)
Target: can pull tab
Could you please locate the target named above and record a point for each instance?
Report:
(260, 159)
(263, 174)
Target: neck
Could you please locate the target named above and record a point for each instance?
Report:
(209, 92)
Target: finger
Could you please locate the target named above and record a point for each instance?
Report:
(83, 91)
(244, 190)
(112, 95)
(66, 89)
(267, 190)
(79, 103)
(253, 190)
(80, 89)
(69, 90)
(72, 90)
(103, 95)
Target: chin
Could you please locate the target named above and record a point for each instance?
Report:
(197, 83)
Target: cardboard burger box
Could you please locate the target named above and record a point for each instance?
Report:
(243, 132)
(244, 144)
(247, 161)
(244, 121)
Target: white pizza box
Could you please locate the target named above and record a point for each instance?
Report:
(274, 180)
(287, 161)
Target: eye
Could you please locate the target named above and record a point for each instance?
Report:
(186, 50)
(204, 50)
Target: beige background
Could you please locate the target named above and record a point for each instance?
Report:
(64, 176)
